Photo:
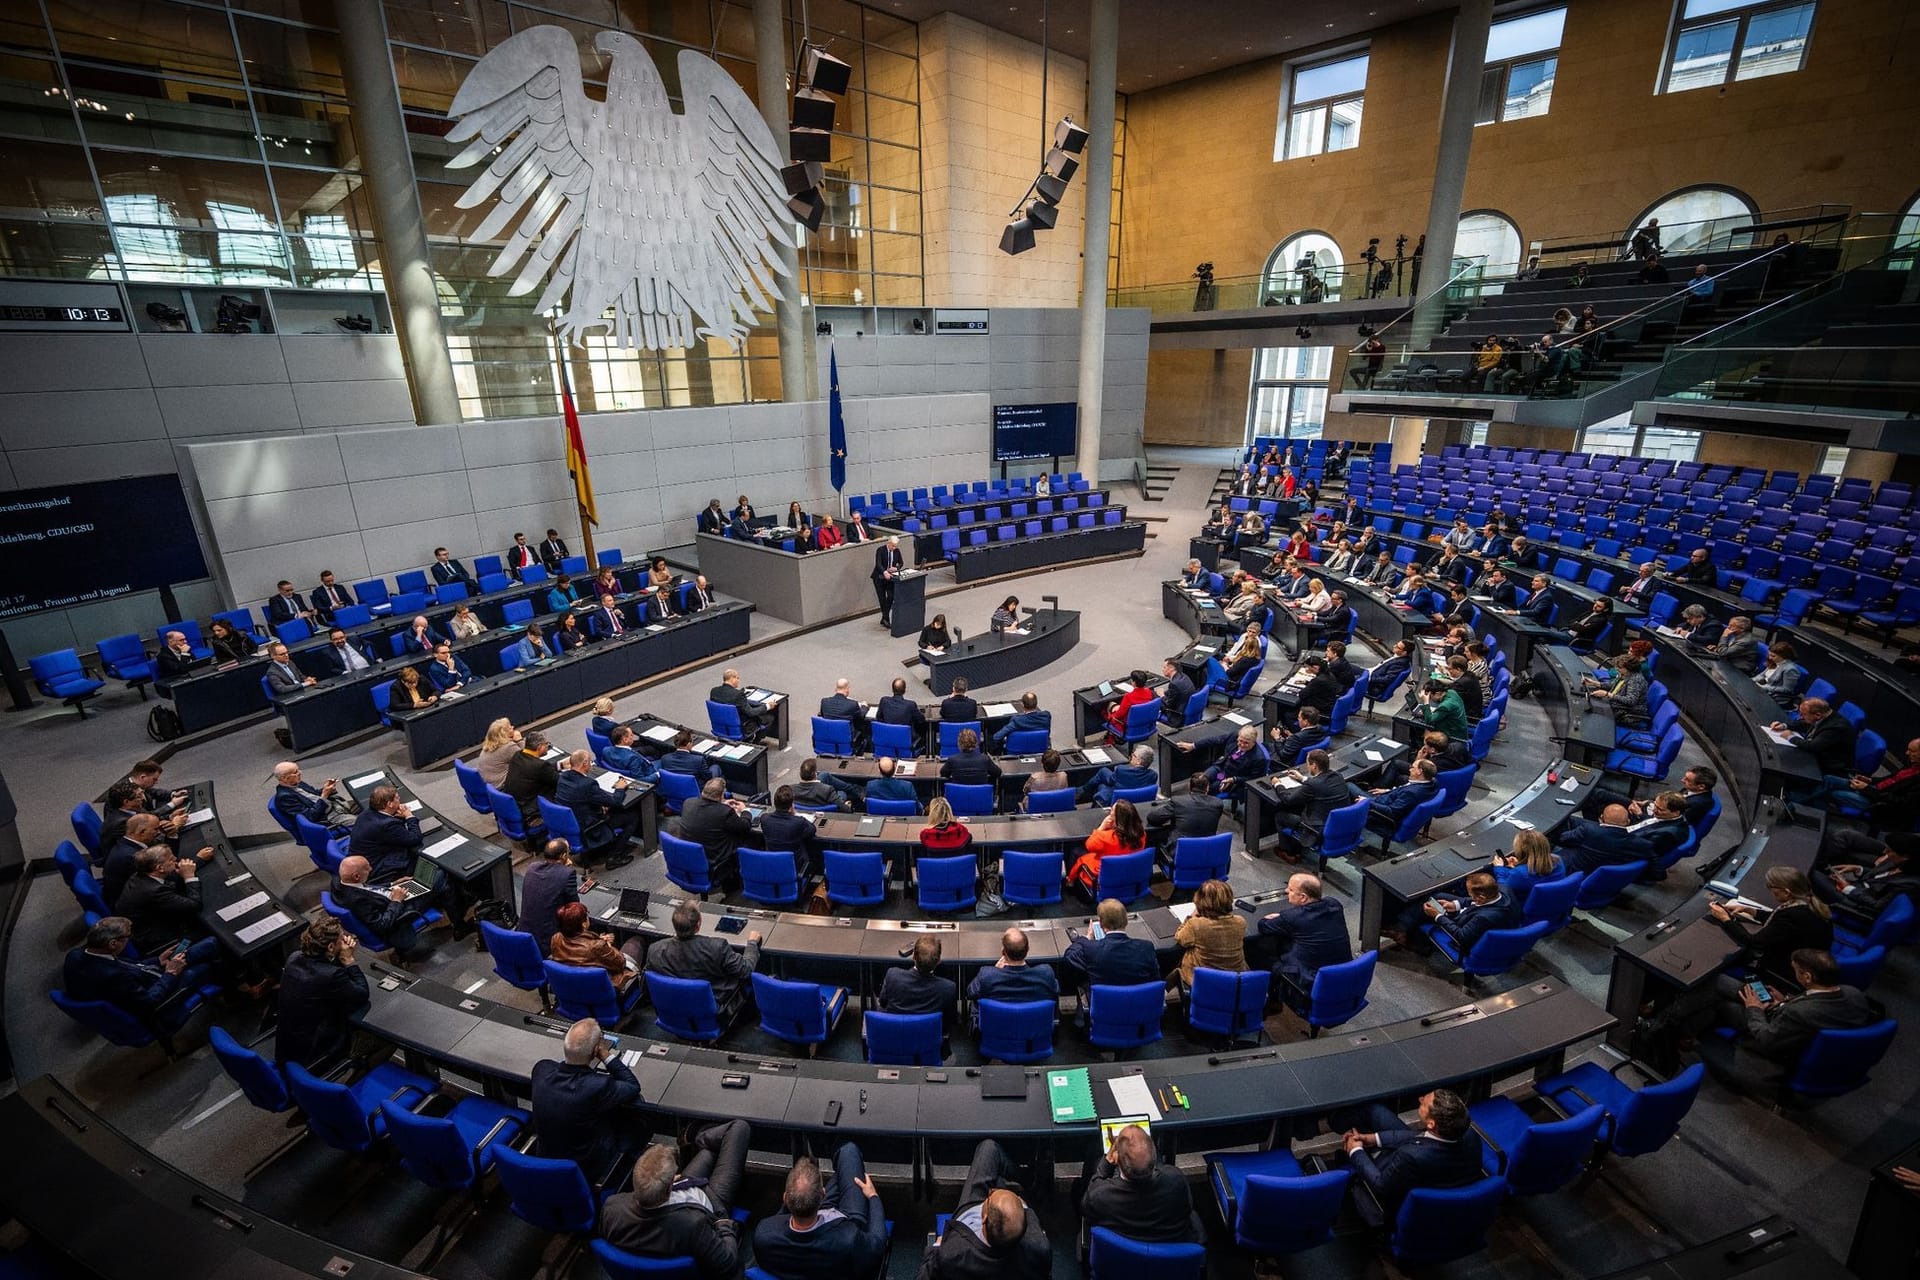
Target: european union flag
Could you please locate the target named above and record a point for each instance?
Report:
(836, 422)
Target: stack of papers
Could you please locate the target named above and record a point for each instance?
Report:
(1133, 1097)
(261, 928)
(660, 733)
(439, 848)
(1099, 755)
(706, 745)
(738, 751)
(1181, 911)
(198, 816)
(1236, 718)
(996, 709)
(233, 911)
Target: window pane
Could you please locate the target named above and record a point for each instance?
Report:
(1833, 461)
(1707, 8)
(1489, 236)
(1775, 43)
(1330, 79)
(1305, 132)
(1674, 445)
(1534, 33)
(1700, 56)
(1493, 83)
(1269, 410)
(1308, 411)
(1344, 133)
(1530, 89)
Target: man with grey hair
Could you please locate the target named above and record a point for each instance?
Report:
(386, 913)
(586, 1107)
(1137, 772)
(888, 564)
(1131, 1191)
(606, 818)
(754, 716)
(833, 1227)
(98, 969)
(675, 1212)
(717, 823)
(1737, 644)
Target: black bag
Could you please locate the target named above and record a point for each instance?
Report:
(163, 723)
(1521, 686)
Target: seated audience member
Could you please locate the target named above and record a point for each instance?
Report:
(1310, 932)
(465, 623)
(1246, 761)
(659, 609)
(497, 750)
(1214, 936)
(827, 535)
(321, 989)
(283, 677)
(1322, 689)
(1543, 602)
(1465, 918)
(831, 1228)
(1120, 832)
(603, 722)
(1029, 718)
(1882, 868)
(285, 605)
(707, 957)
(606, 819)
(958, 707)
(420, 637)
(445, 569)
(1527, 862)
(1132, 1192)
(410, 692)
(1138, 771)
(1142, 691)
(1301, 812)
(1772, 1035)
(917, 987)
(699, 596)
(1737, 643)
(781, 829)
(1798, 920)
(814, 793)
(562, 594)
(565, 635)
(575, 944)
(142, 831)
(1390, 806)
(520, 557)
(383, 912)
(1011, 978)
(993, 1234)
(607, 620)
(1390, 1157)
(897, 708)
(1381, 678)
(1626, 693)
(1823, 734)
(547, 885)
(887, 786)
(1048, 777)
(340, 658)
(1446, 753)
(1588, 846)
(676, 1211)
(153, 991)
(1442, 708)
(944, 835)
(717, 823)
(756, 719)
(1106, 955)
(1175, 695)
(841, 705)
(530, 776)
(228, 643)
(293, 797)
(1887, 802)
(970, 766)
(1782, 676)
(553, 551)
(533, 646)
(162, 901)
(1290, 743)
(1698, 571)
(446, 671)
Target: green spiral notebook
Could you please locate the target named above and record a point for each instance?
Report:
(1070, 1095)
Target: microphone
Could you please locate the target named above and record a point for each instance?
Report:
(1052, 602)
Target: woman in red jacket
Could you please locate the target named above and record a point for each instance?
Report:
(943, 836)
(1142, 691)
(1121, 832)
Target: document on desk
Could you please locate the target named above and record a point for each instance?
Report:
(1784, 739)
(440, 848)
(607, 782)
(738, 751)
(1181, 911)
(1521, 823)
(1206, 648)
(261, 928)
(198, 816)
(1099, 755)
(367, 779)
(661, 733)
(1236, 718)
(1389, 744)
(234, 910)
(1570, 784)
(706, 745)
(996, 709)
(1374, 756)
(1284, 782)
(1133, 1097)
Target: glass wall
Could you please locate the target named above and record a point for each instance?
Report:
(1289, 394)
(210, 142)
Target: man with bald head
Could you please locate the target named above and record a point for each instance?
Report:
(994, 1234)
(295, 797)
(606, 818)
(142, 830)
(1131, 1191)
(385, 912)
(1588, 846)
(1011, 978)
(754, 716)
(586, 1106)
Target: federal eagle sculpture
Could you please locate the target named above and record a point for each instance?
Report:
(665, 219)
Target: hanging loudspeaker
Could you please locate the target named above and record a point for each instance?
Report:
(812, 110)
(802, 177)
(1042, 215)
(1069, 136)
(1061, 165)
(808, 207)
(1049, 188)
(825, 72)
(811, 145)
(1017, 238)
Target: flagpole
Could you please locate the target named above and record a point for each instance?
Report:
(566, 390)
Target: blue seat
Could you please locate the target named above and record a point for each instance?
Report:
(1125, 876)
(455, 1151)
(347, 1116)
(324, 849)
(832, 737)
(293, 630)
(191, 630)
(382, 695)
(1638, 1121)
(902, 1039)
(517, 612)
(86, 891)
(1415, 822)
(1031, 879)
(1125, 1017)
(86, 828)
(1198, 859)
(60, 675)
(1453, 784)
(1603, 884)
(125, 658)
(110, 1022)
(1339, 993)
(533, 575)
(895, 740)
(1894, 925)
(373, 594)
(947, 884)
(1495, 951)
(1838, 1061)
(893, 808)
(1230, 1005)
(724, 719)
(950, 734)
(1142, 719)
(798, 1012)
(473, 787)
(351, 923)
(1440, 1224)
(770, 876)
(1112, 1256)
(69, 861)
(1346, 827)
(349, 616)
(517, 958)
(260, 1081)
(970, 800)
(552, 1195)
(1017, 1031)
(676, 788)
(1138, 797)
(450, 592)
(509, 655)
(1551, 902)
(1058, 800)
(1859, 969)
(1028, 742)
(686, 864)
(506, 816)
(685, 1008)
(413, 581)
(1535, 1157)
(855, 879)
(1271, 1206)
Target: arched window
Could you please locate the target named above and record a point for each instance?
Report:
(1490, 235)
(1284, 281)
(1698, 219)
(1907, 235)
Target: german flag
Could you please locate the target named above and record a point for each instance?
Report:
(576, 449)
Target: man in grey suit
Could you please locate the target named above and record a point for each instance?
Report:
(691, 954)
(1773, 1034)
(282, 676)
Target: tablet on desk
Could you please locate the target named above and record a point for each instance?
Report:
(1110, 1129)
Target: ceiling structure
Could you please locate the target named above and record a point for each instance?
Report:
(1164, 41)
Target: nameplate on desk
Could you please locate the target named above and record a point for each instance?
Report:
(440, 848)
(242, 878)
(661, 733)
(1374, 756)
(233, 911)
(451, 694)
(367, 779)
(261, 928)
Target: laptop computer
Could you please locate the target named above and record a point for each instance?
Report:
(633, 908)
(425, 877)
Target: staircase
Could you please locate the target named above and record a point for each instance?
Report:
(1159, 478)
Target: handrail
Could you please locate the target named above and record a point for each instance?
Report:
(1473, 264)
(1619, 239)
(1798, 296)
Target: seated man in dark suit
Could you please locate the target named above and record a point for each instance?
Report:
(888, 787)
(623, 757)
(141, 831)
(519, 556)
(1498, 589)
(708, 957)
(1381, 678)
(548, 884)
(782, 828)
(383, 912)
(1446, 753)
(1302, 811)
(1131, 1191)
(1335, 653)
(321, 989)
(448, 671)
(1107, 956)
(806, 1243)
(717, 823)
(283, 677)
(531, 775)
(1309, 727)
(1464, 919)
(152, 992)
(1543, 603)
(970, 766)
(684, 759)
(1193, 812)
(840, 705)
(1663, 822)
(659, 608)
(329, 597)
(1175, 696)
(285, 605)
(1772, 1035)
(1333, 625)
(1866, 873)
(296, 798)
(606, 819)
(341, 657)
(675, 1212)
(586, 1107)
(1391, 1157)
(958, 708)
(1588, 846)
(713, 519)
(918, 987)
(176, 659)
(1391, 807)
(1824, 734)
(815, 792)
(993, 1234)
(553, 551)
(897, 708)
(1029, 717)
(1312, 933)
(1011, 978)
(445, 569)
(387, 835)
(162, 901)
(1138, 771)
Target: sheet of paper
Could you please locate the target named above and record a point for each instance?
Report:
(1181, 911)
(656, 627)
(234, 910)
(1236, 717)
(660, 733)
(367, 780)
(738, 751)
(261, 928)
(197, 816)
(1134, 1098)
(1570, 784)
(1099, 755)
(629, 1057)
(1206, 648)
(1390, 745)
(451, 694)
(1374, 756)
(439, 848)
(606, 781)
(242, 878)
(996, 709)
(705, 745)
(1784, 739)
(1521, 823)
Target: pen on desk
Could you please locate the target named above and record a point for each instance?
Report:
(1437, 1019)
(1160, 1094)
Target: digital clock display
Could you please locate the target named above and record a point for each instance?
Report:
(63, 315)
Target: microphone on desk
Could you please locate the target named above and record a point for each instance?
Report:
(763, 1063)
(1053, 602)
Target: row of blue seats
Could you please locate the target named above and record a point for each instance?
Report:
(978, 534)
(940, 495)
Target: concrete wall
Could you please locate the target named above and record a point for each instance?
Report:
(373, 503)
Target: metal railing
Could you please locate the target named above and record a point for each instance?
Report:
(1355, 281)
(1707, 235)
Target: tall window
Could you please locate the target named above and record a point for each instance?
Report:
(1287, 279)
(1720, 40)
(1833, 461)
(1698, 219)
(1492, 236)
(1323, 112)
(1619, 436)
(1289, 396)
(1522, 55)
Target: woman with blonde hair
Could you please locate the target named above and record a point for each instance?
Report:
(1317, 599)
(1214, 936)
(1530, 860)
(1799, 919)
(603, 722)
(497, 749)
(408, 692)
